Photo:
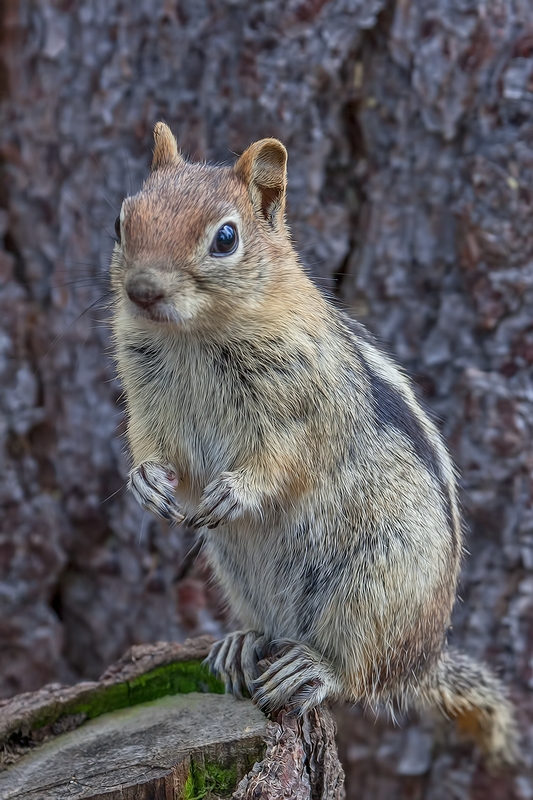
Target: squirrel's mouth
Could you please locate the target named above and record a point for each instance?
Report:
(159, 311)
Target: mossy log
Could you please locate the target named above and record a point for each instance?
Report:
(158, 726)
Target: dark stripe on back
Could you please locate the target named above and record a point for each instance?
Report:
(390, 407)
(392, 411)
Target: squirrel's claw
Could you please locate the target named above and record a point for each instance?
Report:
(299, 679)
(221, 502)
(234, 659)
(153, 486)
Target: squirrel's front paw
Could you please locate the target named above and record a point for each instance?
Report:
(222, 501)
(153, 486)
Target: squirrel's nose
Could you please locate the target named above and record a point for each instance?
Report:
(142, 292)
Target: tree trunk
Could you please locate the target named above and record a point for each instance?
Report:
(155, 731)
(410, 140)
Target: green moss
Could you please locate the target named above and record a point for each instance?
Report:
(199, 781)
(180, 677)
(102, 700)
(189, 792)
(211, 778)
(223, 780)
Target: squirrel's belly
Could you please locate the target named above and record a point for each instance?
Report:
(262, 579)
(344, 605)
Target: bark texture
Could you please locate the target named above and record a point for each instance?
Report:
(410, 133)
(301, 760)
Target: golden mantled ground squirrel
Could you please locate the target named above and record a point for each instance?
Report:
(272, 421)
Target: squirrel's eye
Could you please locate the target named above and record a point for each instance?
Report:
(225, 241)
(117, 229)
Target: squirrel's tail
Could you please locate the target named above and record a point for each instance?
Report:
(467, 691)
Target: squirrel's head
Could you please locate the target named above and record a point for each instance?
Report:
(201, 243)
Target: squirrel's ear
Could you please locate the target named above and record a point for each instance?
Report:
(166, 153)
(263, 168)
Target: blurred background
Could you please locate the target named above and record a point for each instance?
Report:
(409, 126)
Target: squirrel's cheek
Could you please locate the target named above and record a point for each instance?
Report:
(185, 305)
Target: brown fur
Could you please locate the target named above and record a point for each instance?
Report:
(325, 494)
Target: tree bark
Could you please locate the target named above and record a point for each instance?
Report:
(409, 131)
(301, 760)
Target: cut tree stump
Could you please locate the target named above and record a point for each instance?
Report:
(157, 726)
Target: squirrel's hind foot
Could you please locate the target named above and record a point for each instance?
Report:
(234, 659)
(299, 679)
